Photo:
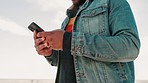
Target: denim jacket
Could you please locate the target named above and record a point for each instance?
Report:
(104, 42)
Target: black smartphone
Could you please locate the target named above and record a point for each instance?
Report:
(33, 26)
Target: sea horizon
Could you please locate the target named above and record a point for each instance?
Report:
(43, 81)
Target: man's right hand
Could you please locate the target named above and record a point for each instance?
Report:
(41, 47)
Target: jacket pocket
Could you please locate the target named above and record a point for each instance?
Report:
(94, 20)
(93, 11)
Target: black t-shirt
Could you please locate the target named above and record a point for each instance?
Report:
(66, 70)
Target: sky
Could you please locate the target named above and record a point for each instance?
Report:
(18, 58)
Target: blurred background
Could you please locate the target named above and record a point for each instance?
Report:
(18, 58)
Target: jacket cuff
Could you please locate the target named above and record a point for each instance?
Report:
(67, 41)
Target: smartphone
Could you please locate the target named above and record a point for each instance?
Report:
(33, 26)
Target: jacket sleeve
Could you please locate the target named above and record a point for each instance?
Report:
(121, 46)
(53, 58)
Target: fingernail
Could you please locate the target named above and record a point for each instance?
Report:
(43, 38)
(38, 35)
(34, 31)
(45, 44)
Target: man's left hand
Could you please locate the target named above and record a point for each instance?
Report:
(53, 38)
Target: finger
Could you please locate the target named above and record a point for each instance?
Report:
(48, 39)
(46, 44)
(41, 47)
(50, 44)
(39, 41)
(48, 52)
(41, 52)
(43, 34)
(45, 52)
(35, 34)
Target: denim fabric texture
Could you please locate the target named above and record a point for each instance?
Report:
(104, 43)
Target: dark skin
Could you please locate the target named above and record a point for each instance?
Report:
(47, 40)
(78, 2)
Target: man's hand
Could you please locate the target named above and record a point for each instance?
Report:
(41, 47)
(53, 38)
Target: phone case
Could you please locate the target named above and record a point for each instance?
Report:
(33, 26)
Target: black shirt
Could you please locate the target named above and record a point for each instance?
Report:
(66, 70)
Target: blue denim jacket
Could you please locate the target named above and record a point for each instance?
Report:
(104, 42)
